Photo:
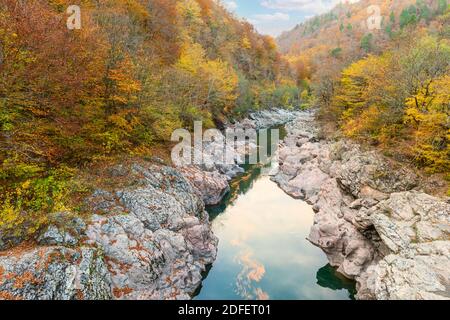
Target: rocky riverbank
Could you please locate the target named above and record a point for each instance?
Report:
(372, 219)
(150, 240)
(211, 179)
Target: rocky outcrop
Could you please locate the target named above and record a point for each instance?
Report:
(418, 273)
(369, 220)
(149, 241)
(211, 186)
(54, 273)
(266, 119)
(221, 163)
(160, 242)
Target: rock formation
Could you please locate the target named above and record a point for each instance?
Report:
(147, 242)
(370, 221)
(151, 240)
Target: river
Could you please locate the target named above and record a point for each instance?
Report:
(263, 252)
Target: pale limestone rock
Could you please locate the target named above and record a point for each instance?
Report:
(54, 273)
(393, 241)
(211, 186)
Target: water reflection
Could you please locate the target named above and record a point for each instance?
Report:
(263, 251)
(251, 274)
(328, 277)
(244, 183)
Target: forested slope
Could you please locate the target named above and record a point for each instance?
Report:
(135, 71)
(386, 87)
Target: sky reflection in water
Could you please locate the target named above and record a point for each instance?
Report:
(263, 251)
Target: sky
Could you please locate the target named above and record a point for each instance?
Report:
(272, 17)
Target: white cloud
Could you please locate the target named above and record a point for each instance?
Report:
(272, 24)
(309, 6)
(231, 5)
(278, 16)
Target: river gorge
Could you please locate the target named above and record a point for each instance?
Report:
(263, 250)
(230, 232)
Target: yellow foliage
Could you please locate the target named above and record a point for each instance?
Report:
(189, 10)
(428, 113)
(222, 81)
(217, 79)
(401, 96)
(246, 43)
(37, 197)
(191, 58)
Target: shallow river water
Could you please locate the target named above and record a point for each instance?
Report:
(263, 252)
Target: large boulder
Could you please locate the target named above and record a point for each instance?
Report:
(360, 169)
(420, 273)
(415, 227)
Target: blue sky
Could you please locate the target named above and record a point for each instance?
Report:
(275, 16)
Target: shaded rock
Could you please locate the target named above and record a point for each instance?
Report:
(211, 186)
(103, 202)
(118, 171)
(65, 230)
(53, 236)
(9, 239)
(361, 169)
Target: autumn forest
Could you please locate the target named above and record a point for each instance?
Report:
(72, 101)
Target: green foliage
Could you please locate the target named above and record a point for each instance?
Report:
(442, 7)
(424, 10)
(28, 193)
(336, 52)
(389, 31)
(392, 17)
(314, 24)
(286, 96)
(408, 16)
(366, 42)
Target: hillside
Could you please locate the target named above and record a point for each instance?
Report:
(346, 25)
(386, 87)
(117, 86)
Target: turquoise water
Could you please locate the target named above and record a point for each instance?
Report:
(263, 252)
